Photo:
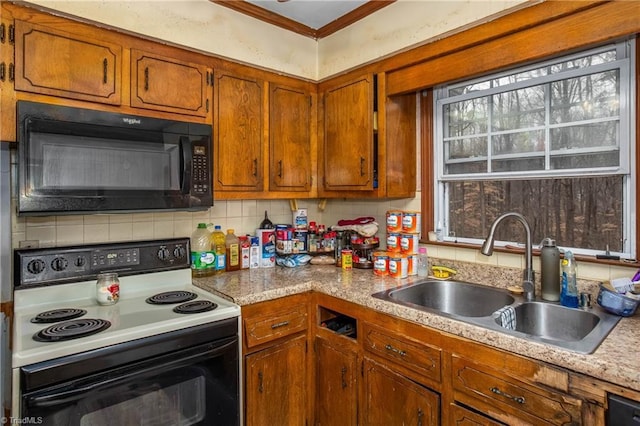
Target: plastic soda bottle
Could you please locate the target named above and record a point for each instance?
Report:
(202, 257)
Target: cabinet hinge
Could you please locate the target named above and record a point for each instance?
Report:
(3, 71)
(207, 105)
(12, 72)
(2, 33)
(362, 369)
(12, 33)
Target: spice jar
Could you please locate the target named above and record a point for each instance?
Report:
(108, 288)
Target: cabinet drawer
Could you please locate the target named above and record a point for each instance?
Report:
(416, 356)
(464, 417)
(265, 328)
(505, 397)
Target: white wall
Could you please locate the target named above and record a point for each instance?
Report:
(401, 25)
(206, 26)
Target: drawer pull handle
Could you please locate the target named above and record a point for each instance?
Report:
(105, 70)
(518, 399)
(343, 376)
(392, 349)
(279, 324)
(260, 379)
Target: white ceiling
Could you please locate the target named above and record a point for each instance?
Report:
(312, 13)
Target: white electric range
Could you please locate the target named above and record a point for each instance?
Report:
(159, 313)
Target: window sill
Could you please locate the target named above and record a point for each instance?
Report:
(536, 252)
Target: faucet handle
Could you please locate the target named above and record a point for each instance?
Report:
(585, 300)
(529, 290)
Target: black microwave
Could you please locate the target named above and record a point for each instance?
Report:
(80, 161)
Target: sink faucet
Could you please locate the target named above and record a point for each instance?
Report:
(528, 279)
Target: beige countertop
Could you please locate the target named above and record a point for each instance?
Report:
(616, 360)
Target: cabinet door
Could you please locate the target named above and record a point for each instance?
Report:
(276, 384)
(289, 139)
(336, 384)
(238, 130)
(393, 399)
(58, 63)
(167, 84)
(348, 136)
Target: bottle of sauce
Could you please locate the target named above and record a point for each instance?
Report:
(232, 244)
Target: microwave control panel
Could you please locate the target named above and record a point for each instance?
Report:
(200, 169)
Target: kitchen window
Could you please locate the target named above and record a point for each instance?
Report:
(554, 141)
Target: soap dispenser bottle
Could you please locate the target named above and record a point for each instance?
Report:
(550, 265)
(569, 293)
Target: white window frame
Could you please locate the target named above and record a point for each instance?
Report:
(627, 167)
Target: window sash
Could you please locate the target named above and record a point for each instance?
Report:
(624, 50)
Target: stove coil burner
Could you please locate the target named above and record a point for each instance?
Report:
(195, 307)
(57, 315)
(71, 330)
(170, 297)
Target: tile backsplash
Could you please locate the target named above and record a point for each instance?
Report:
(243, 216)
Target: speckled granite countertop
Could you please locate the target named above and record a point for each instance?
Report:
(616, 360)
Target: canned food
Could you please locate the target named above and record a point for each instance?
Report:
(380, 263)
(412, 264)
(398, 266)
(346, 259)
(393, 242)
(409, 243)
(411, 222)
(394, 220)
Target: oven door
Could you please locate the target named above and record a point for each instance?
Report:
(194, 386)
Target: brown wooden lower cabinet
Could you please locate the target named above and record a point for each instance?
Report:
(276, 384)
(388, 371)
(392, 399)
(336, 383)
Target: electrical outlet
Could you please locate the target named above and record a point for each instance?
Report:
(29, 244)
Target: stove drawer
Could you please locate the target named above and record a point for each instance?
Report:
(265, 328)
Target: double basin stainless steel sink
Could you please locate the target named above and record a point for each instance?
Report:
(573, 329)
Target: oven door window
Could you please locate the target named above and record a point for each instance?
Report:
(192, 387)
(158, 404)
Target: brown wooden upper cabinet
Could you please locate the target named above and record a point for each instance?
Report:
(289, 139)
(238, 133)
(348, 150)
(53, 62)
(168, 84)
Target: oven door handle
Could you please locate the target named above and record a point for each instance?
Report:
(58, 398)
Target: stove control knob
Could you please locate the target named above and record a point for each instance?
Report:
(80, 262)
(59, 264)
(163, 254)
(179, 252)
(36, 266)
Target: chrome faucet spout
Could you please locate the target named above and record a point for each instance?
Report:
(528, 279)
